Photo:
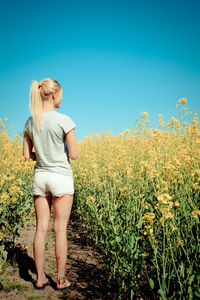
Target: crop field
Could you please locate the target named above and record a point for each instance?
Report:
(138, 197)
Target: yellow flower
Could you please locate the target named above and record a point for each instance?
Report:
(195, 213)
(179, 241)
(183, 100)
(173, 228)
(127, 131)
(145, 114)
(167, 196)
(170, 124)
(149, 215)
(19, 181)
(145, 205)
(24, 247)
(164, 201)
(161, 122)
(164, 198)
(4, 197)
(90, 199)
(94, 166)
(160, 197)
(129, 170)
(147, 122)
(169, 215)
(176, 121)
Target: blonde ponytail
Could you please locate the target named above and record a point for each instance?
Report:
(35, 104)
(39, 92)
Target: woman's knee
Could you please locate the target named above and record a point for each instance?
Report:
(42, 227)
(60, 227)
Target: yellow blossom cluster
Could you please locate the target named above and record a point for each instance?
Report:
(15, 181)
(196, 213)
(145, 114)
(115, 167)
(182, 100)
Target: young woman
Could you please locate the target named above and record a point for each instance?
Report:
(53, 137)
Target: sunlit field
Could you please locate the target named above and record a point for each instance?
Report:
(138, 196)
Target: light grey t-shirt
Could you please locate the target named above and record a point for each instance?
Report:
(50, 145)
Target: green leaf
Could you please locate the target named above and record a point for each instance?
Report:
(132, 240)
(102, 240)
(162, 293)
(197, 294)
(118, 239)
(139, 224)
(164, 285)
(191, 279)
(2, 248)
(151, 283)
(5, 254)
(111, 218)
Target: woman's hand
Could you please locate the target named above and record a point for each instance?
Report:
(33, 156)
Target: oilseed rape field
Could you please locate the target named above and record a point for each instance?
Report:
(138, 197)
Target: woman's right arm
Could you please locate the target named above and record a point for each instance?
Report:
(27, 148)
(71, 144)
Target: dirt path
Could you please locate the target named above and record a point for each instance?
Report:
(84, 265)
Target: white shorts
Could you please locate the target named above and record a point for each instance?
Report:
(49, 183)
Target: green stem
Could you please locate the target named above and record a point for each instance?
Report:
(157, 267)
(163, 256)
(174, 262)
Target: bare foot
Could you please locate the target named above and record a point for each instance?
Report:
(63, 283)
(40, 283)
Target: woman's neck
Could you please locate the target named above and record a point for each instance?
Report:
(47, 106)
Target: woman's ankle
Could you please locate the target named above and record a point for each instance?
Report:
(41, 277)
(61, 279)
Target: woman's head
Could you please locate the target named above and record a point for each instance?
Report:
(46, 90)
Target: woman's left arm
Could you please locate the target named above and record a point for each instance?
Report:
(27, 148)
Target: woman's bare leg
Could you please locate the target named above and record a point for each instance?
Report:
(62, 211)
(43, 211)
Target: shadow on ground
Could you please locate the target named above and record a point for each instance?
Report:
(84, 265)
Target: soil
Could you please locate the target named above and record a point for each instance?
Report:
(84, 265)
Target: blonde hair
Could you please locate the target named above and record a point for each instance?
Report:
(41, 91)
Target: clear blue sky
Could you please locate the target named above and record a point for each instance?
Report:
(114, 59)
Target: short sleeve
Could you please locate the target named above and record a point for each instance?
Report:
(68, 124)
(27, 128)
